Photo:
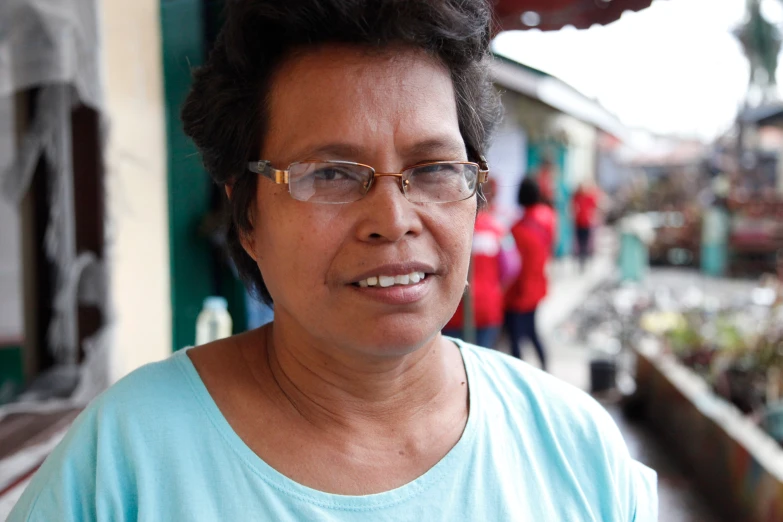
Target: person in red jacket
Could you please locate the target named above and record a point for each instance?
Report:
(585, 203)
(534, 235)
(493, 265)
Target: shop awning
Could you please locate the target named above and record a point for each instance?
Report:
(550, 15)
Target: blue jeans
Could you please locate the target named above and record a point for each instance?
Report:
(522, 326)
(485, 337)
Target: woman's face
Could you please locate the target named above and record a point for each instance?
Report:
(388, 111)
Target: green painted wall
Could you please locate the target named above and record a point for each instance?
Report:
(11, 373)
(194, 272)
(189, 185)
(565, 221)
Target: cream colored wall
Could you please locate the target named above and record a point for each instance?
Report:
(136, 184)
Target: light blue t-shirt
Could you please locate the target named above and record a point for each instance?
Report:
(155, 447)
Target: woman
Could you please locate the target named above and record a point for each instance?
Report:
(350, 405)
(534, 235)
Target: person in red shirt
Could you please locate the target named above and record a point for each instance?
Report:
(493, 265)
(585, 204)
(534, 235)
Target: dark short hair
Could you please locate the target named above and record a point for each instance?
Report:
(529, 193)
(259, 35)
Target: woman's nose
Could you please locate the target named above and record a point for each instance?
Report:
(387, 215)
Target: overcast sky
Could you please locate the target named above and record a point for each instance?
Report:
(674, 68)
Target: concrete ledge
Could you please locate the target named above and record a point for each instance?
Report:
(735, 463)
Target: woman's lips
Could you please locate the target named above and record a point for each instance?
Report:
(396, 294)
(387, 281)
(394, 270)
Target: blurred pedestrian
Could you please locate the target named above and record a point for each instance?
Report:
(494, 265)
(534, 235)
(545, 178)
(585, 203)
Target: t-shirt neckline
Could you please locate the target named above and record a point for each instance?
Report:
(290, 487)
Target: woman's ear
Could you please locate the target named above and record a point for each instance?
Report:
(246, 239)
(248, 243)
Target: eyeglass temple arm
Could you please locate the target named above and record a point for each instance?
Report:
(265, 169)
(483, 173)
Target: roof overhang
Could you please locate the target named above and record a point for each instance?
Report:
(555, 93)
(551, 15)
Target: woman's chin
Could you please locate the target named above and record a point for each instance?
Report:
(394, 341)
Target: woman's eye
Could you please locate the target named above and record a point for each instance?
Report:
(332, 174)
(440, 168)
(430, 169)
(435, 173)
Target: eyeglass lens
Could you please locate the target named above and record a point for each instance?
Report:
(336, 182)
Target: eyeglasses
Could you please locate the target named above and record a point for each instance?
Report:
(345, 181)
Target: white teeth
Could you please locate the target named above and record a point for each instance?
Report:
(387, 281)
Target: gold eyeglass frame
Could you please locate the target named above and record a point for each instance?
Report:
(281, 176)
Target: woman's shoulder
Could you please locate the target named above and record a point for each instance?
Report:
(560, 427)
(510, 373)
(137, 402)
(115, 434)
(148, 389)
(507, 382)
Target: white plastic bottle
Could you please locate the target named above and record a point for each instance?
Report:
(214, 321)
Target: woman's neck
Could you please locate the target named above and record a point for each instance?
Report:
(338, 389)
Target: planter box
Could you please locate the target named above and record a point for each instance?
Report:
(733, 461)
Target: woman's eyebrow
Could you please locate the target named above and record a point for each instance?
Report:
(433, 148)
(436, 148)
(331, 151)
